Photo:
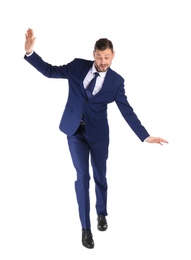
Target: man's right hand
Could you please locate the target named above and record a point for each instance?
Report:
(30, 40)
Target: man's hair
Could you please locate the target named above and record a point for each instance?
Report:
(103, 44)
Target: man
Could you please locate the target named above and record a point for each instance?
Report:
(85, 123)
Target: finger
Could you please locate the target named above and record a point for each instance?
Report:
(163, 140)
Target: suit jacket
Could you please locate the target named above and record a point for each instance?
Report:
(94, 110)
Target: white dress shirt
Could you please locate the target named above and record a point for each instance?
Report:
(99, 81)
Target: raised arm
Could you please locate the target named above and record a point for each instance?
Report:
(29, 41)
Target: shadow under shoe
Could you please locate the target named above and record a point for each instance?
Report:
(87, 238)
(102, 223)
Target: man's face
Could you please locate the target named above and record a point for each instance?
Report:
(103, 59)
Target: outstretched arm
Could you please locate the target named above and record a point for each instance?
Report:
(157, 140)
(29, 41)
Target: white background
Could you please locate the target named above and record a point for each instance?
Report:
(149, 185)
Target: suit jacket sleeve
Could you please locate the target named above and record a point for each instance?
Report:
(129, 114)
(47, 69)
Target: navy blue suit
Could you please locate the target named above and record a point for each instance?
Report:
(91, 138)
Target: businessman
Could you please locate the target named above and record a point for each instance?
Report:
(92, 86)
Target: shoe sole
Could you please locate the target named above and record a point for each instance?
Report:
(102, 229)
(89, 247)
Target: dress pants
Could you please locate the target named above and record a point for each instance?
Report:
(82, 152)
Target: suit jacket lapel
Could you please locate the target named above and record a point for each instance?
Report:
(83, 75)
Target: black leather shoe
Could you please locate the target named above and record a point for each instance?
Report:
(102, 223)
(87, 238)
